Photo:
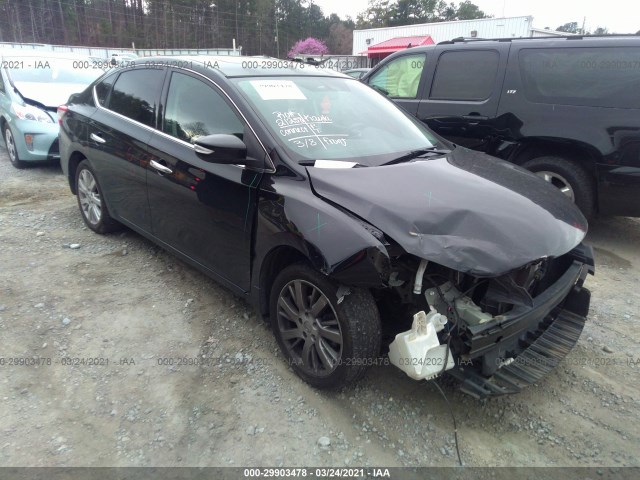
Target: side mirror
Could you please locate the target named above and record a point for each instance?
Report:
(225, 149)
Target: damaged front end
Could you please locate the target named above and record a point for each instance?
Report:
(495, 335)
(488, 247)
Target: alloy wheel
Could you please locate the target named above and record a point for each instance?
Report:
(11, 146)
(309, 328)
(89, 196)
(559, 182)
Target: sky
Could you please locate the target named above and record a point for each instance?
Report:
(619, 16)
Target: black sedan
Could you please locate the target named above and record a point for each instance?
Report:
(349, 225)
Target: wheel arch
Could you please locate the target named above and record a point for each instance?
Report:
(74, 160)
(581, 153)
(273, 263)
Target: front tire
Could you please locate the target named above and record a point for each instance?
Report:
(91, 201)
(328, 344)
(569, 177)
(14, 158)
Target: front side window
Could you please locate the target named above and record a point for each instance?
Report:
(136, 94)
(195, 109)
(599, 77)
(465, 75)
(400, 77)
(334, 118)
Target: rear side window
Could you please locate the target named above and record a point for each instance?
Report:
(135, 94)
(597, 77)
(400, 77)
(103, 89)
(195, 109)
(465, 75)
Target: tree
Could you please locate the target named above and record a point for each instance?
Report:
(571, 27)
(469, 11)
(386, 13)
(340, 41)
(308, 46)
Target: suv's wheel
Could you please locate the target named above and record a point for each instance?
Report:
(328, 344)
(12, 149)
(91, 201)
(569, 177)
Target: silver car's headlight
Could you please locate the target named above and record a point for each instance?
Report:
(28, 112)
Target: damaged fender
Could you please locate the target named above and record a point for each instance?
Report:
(289, 217)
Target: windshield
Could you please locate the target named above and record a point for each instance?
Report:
(51, 70)
(332, 118)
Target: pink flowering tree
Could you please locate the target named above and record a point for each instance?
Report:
(308, 46)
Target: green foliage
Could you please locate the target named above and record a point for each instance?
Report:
(171, 23)
(389, 13)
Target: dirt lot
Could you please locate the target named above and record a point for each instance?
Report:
(121, 299)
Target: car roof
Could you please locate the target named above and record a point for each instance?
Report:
(236, 66)
(45, 54)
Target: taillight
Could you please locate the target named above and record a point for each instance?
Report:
(62, 109)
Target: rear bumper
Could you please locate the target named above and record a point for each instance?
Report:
(528, 343)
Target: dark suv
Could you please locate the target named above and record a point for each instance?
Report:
(349, 236)
(566, 108)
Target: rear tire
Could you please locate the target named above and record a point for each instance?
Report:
(91, 201)
(573, 180)
(12, 150)
(328, 344)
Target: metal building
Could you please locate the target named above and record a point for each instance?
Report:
(441, 31)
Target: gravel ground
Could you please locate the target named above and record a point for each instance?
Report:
(66, 292)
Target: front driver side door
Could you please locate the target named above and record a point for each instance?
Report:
(201, 209)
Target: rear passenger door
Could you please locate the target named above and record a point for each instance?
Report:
(401, 80)
(118, 133)
(461, 100)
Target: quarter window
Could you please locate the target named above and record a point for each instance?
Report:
(135, 95)
(103, 89)
(400, 77)
(195, 109)
(468, 75)
(598, 77)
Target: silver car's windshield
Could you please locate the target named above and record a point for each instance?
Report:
(334, 119)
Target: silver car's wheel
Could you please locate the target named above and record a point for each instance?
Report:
(11, 148)
(93, 206)
(559, 182)
(89, 197)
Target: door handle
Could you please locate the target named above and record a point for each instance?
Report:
(161, 168)
(97, 138)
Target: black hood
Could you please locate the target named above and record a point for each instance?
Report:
(467, 211)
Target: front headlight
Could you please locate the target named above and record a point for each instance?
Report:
(28, 112)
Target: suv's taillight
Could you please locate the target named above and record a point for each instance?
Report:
(62, 109)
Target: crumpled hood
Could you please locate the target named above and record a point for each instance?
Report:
(49, 94)
(467, 211)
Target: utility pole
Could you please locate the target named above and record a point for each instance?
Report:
(237, 37)
(277, 40)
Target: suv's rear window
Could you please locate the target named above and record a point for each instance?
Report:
(598, 76)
